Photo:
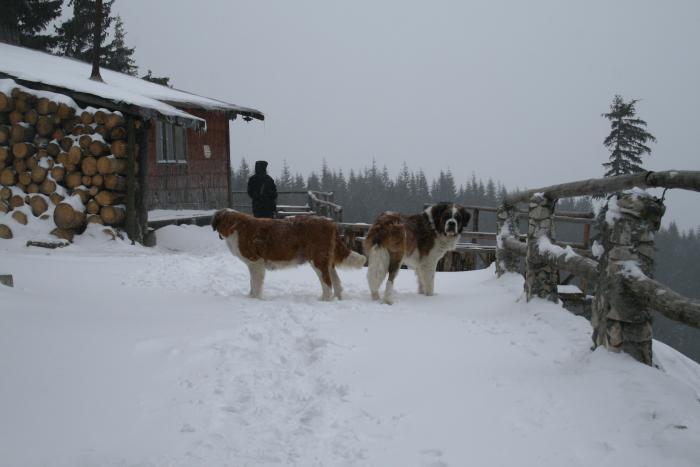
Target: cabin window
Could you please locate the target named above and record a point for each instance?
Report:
(171, 142)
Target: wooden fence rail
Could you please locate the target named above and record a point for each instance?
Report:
(626, 295)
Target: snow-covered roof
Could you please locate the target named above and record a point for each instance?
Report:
(149, 99)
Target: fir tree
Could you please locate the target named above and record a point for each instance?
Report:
(240, 179)
(285, 181)
(627, 139)
(76, 33)
(118, 56)
(299, 184)
(313, 183)
(23, 22)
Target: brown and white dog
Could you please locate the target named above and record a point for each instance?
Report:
(276, 243)
(418, 241)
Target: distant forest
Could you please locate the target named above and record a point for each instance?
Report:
(369, 191)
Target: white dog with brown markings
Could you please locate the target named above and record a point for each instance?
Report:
(264, 244)
(418, 241)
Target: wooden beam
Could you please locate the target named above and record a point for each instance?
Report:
(685, 179)
(577, 264)
(664, 300)
(475, 224)
(130, 223)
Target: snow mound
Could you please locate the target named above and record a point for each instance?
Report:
(189, 238)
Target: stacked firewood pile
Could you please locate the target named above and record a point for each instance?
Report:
(60, 162)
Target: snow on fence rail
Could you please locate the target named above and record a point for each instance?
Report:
(625, 293)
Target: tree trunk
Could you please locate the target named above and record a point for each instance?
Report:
(56, 199)
(98, 148)
(89, 166)
(8, 176)
(75, 155)
(24, 178)
(74, 180)
(115, 182)
(87, 118)
(5, 134)
(108, 198)
(98, 180)
(38, 174)
(16, 201)
(65, 217)
(20, 217)
(22, 150)
(5, 156)
(6, 103)
(48, 186)
(57, 173)
(113, 215)
(21, 132)
(109, 165)
(39, 205)
(5, 232)
(119, 148)
(44, 126)
(46, 106)
(93, 207)
(84, 142)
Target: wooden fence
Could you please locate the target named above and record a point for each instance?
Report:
(294, 203)
(477, 248)
(626, 295)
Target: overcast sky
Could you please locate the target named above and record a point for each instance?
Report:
(511, 90)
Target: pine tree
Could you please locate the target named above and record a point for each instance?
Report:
(241, 176)
(23, 22)
(118, 56)
(75, 37)
(75, 34)
(627, 139)
(313, 183)
(285, 181)
(326, 181)
(299, 184)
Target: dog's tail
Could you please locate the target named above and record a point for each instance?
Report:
(345, 257)
(388, 235)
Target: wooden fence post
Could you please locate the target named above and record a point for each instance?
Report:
(506, 226)
(540, 276)
(621, 320)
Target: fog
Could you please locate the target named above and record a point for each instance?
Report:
(511, 90)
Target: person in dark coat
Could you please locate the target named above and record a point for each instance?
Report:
(263, 191)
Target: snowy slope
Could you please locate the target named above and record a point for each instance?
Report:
(116, 355)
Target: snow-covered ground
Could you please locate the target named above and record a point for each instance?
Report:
(118, 355)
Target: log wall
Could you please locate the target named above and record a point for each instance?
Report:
(199, 183)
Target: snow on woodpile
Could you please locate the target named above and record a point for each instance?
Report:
(61, 167)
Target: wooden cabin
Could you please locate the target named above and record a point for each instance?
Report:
(179, 141)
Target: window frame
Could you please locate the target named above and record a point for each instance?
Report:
(171, 143)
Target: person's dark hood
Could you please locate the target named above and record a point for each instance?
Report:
(260, 167)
